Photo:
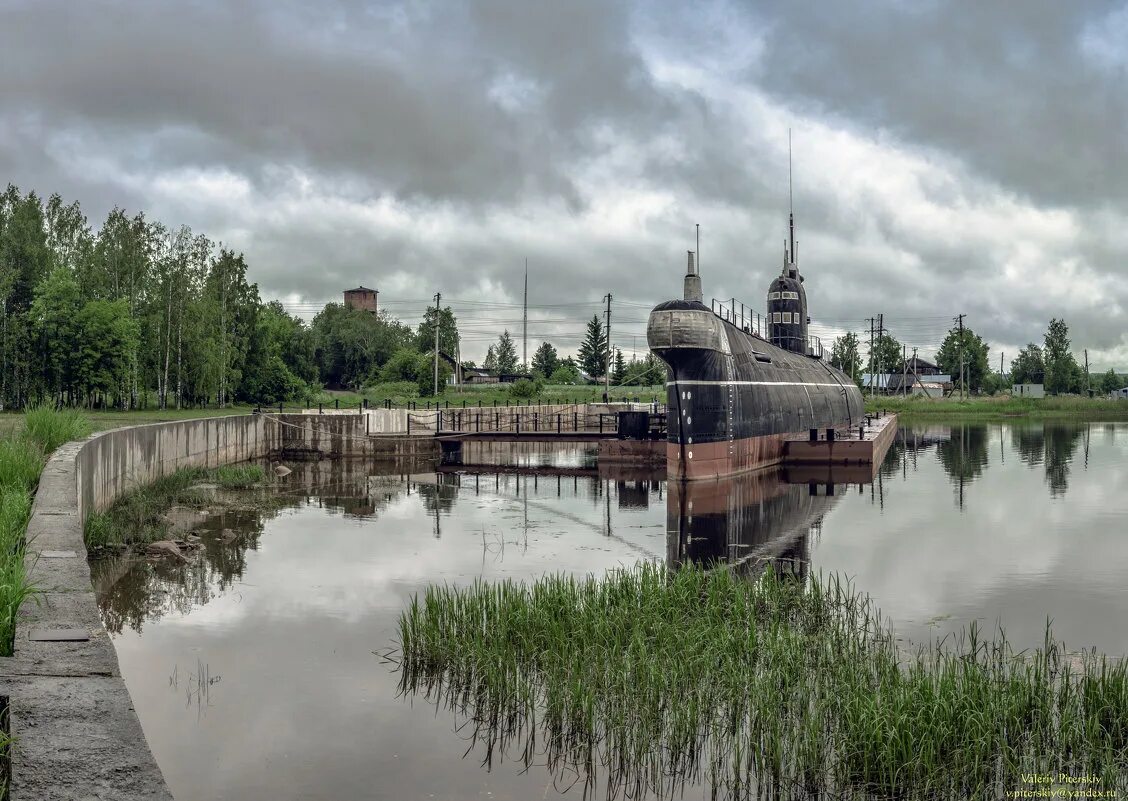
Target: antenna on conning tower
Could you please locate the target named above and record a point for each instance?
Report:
(790, 198)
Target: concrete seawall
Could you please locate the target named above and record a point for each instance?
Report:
(77, 735)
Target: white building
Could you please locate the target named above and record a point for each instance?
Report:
(1028, 391)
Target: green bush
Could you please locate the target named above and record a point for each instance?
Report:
(524, 388)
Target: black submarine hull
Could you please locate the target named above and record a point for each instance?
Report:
(735, 398)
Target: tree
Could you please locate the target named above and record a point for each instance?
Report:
(53, 314)
(593, 350)
(1110, 382)
(351, 345)
(845, 355)
(425, 374)
(109, 339)
(972, 349)
(1063, 374)
(545, 360)
(1029, 366)
(566, 373)
(448, 333)
(619, 371)
(887, 355)
(491, 360)
(644, 372)
(506, 353)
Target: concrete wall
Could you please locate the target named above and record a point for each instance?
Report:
(78, 736)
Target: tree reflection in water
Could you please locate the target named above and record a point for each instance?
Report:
(132, 590)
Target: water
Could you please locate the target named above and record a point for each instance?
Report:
(253, 668)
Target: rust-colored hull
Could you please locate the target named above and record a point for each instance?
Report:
(725, 458)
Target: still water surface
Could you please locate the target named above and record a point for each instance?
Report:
(253, 670)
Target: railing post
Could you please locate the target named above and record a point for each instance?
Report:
(575, 421)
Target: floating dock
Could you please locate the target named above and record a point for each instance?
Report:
(863, 446)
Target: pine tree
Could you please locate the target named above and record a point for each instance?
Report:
(620, 370)
(545, 360)
(593, 351)
(491, 360)
(506, 353)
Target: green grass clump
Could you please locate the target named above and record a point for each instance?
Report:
(15, 509)
(238, 476)
(52, 427)
(657, 678)
(22, 457)
(139, 516)
(21, 462)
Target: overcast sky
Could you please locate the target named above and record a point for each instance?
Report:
(948, 157)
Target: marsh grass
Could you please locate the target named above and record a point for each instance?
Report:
(52, 427)
(23, 453)
(238, 476)
(139, 516)
(21, 462)
(649, 679)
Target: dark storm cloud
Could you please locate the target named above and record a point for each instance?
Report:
(411, 103)
(1009, 87)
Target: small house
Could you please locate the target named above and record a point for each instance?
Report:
(1028, 391)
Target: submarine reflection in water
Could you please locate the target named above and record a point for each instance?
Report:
(752, 520)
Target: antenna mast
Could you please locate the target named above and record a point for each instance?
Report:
(790, 199)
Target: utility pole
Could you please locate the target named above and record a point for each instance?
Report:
(1088, 385)
(871, 362)
(435, 386)
(959, 345)
(607, 369)
(880, 334)
(904, 369)
(525, 322)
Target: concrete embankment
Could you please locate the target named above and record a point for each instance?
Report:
(77, 735)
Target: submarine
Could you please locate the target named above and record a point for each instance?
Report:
(736, 395)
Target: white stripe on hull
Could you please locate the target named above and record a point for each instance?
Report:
(755, 383)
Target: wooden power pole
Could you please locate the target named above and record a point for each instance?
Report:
(435, 386)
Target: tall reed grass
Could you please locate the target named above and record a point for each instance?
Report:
(52, 427)
(23, 454)
(648, 679)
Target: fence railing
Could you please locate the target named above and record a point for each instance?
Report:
(517, 420)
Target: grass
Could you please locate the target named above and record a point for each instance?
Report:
(51, 428)
(656, 678)
(238, 476)
(23, 453)
(139, 516)
(1003, 407)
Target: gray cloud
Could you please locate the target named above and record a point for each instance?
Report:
(951, 157)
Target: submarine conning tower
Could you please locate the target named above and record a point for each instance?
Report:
(787, 302)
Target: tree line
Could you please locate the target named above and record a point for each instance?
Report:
(136, 314)
(1052, 363)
